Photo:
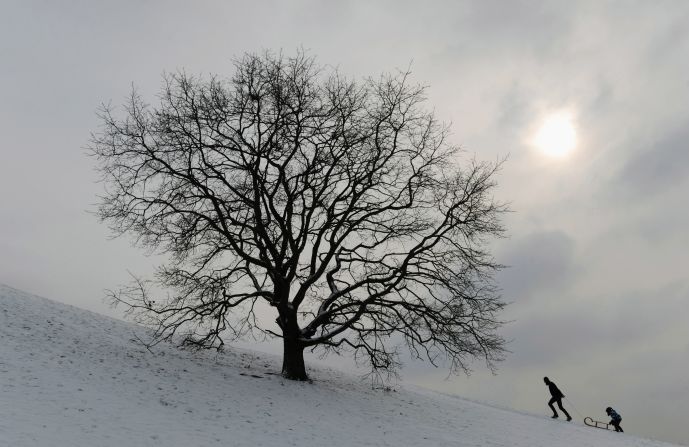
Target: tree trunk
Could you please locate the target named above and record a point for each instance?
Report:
(293, 367)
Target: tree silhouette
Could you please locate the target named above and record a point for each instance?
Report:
(338, 205)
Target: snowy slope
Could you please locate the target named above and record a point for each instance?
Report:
(70, 377)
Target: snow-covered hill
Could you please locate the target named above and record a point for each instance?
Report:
(70, 377)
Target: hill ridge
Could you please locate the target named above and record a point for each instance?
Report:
(74, 377)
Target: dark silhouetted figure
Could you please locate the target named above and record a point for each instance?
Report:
(615, 419)
(556, 397)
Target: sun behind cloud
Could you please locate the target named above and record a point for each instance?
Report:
(556, 136)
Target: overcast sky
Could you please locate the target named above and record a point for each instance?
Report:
(598, 240)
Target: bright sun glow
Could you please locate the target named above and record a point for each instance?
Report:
(556, 136)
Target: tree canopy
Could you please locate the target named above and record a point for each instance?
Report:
(338, 205)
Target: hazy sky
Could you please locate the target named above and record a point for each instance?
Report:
(598, 240)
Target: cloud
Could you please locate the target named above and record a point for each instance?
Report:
(583, 329)
(660, 166)
(538, 263)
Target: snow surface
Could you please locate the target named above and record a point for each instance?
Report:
(75, 378)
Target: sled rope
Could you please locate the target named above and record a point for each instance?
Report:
(575, 408)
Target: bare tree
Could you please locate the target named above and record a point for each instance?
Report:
(339, 204)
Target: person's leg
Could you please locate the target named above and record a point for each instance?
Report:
(559, 404)
(550, 404)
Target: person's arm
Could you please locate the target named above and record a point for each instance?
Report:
(561, 393)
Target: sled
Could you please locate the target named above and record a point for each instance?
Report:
(598, 424)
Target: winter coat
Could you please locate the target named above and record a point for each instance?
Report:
(555, 391)
(614, 416)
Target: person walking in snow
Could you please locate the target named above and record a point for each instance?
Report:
(556, 397)
(615, 419)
